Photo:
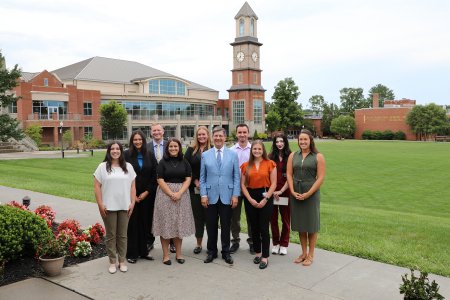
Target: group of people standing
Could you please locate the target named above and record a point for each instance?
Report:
(154, 190)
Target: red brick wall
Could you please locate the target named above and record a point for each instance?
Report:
(383, 119)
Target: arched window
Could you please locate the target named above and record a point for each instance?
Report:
(252, 27)
(241, 27)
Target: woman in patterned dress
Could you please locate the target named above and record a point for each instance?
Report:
(172, 217)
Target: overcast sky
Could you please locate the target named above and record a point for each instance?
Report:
(324, 45)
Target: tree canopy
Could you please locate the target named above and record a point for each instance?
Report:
(9, 127)
(329, 112)
(351, 99)
(344, 126)
(113, 118)
(317, 103)
(285, 112)
(428, 120)
(384, 93)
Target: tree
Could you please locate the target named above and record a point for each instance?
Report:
(316, 103)
(67, 137)
(343, 126)
(428, 120)
(351, 99)
(113, 118)
(9, 127)
(285, 111)
(35, 133)
(384, 93)
(330, 112)
(273, 121)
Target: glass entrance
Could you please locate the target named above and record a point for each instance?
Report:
(51, 110)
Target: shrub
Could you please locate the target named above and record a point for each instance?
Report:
(387, 135)
(419, 287)
(399, 135)
(35, 133)
(377, 135)
(95, 143)
(21, 232)
(367, 135)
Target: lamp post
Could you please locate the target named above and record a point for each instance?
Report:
(61, 124)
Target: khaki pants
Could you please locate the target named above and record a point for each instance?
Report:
(116, 225)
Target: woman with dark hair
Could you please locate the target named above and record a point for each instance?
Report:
(305, 174)
(172, 217)
(144, 164)
(280, 154)
(115, 192)
(193, 155)
(258, 183)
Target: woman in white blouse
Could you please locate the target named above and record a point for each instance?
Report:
(115, 192)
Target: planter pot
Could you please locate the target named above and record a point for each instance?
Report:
(52, 266)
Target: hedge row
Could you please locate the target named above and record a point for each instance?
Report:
(383, 135)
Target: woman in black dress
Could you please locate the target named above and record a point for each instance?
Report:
(193, 155)
(172, 217)
(144, 165)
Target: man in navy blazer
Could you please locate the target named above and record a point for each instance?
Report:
(219, 190)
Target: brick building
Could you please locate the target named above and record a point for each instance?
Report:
(390, 117)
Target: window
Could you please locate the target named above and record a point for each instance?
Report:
(252, 27)
(241, 27)
(187, 132)
(45, 81)
(87, 108)
(219, 111)
(12, 108)
(46, 109)
(167, 87)
(88, 132)
(169, 131)
(238, 111)
(145, 129)
(109, 136)
(255, 78)
(240, 80)
(257, 111)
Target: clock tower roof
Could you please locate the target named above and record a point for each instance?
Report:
(246, 11)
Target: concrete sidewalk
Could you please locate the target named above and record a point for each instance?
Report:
(331, 276)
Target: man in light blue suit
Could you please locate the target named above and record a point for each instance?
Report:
(219, 190)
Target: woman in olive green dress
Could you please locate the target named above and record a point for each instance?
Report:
(305, 174)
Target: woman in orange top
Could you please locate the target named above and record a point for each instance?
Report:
(258, 183)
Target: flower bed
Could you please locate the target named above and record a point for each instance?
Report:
(79, 245)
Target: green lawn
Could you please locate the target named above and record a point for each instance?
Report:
(386, 201)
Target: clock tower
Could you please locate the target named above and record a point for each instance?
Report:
(246, 95)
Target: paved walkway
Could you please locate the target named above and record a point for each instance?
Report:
(331, 276)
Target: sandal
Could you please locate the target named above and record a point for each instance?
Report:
(308, 261)
(300, 259)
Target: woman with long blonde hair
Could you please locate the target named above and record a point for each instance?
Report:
(193, 155)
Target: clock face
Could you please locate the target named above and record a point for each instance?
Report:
(240, 56)
(255, 56)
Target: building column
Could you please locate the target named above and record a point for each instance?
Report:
(55, 136)
(178, 130)
(129, 126)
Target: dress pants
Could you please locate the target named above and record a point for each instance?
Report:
(199, 213)
(236, 223)
(259, 220)
(116, 225)
(150, 209)
(138, 230)
(213, 213)
(285, 212)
